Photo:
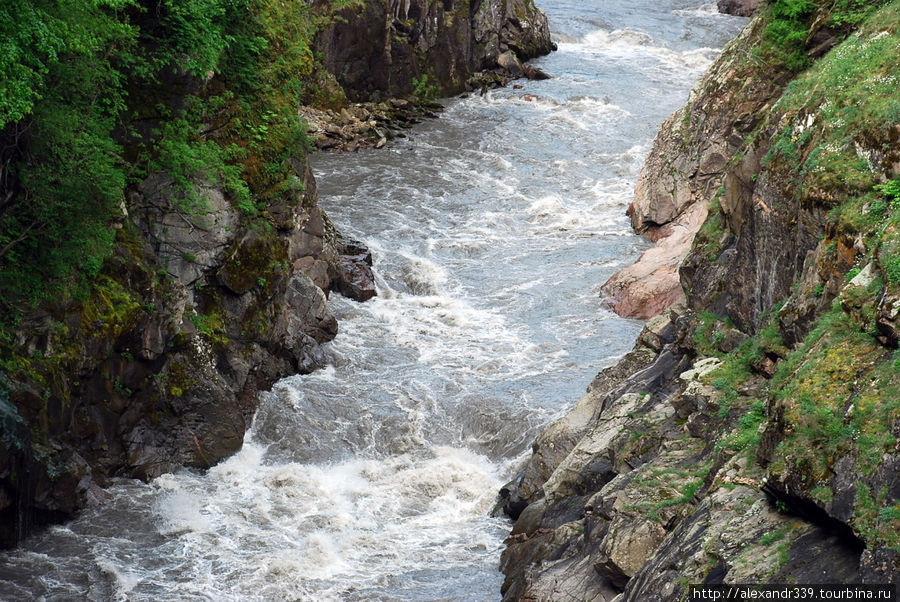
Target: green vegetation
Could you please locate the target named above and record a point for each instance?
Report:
(97, 94)
(832, 140)
(877, 517)
(711, 233)
(773, 536)
(846, 98)
(669, 486)
(424, 89)
(787, 37)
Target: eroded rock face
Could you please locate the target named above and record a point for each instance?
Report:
(762, 464)
(651, 285)
(188, 230)
(647, 503)
(683, 172)
(401, 47)
(194, 315)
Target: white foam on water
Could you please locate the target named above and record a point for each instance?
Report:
(706, 10)
(424, 276)
(181, 513)
(123, 582)
(351, 523)
(635, 46)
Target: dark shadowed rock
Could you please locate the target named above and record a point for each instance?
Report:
(511, 63)
(740, 8)
(353, 275)
(386, 48)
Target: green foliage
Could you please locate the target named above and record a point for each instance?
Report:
(890, 192)
(891, 267)
(30, 41)
(785, 147)
(190, 34)
(772, 536)
(786, 30)
(676, 486)
(747, 435)
(54, 235)
(187, 157)
(97, 94)
(209, 325)
(424, 89)
(877, 517)
(822, 494)
(850, 13)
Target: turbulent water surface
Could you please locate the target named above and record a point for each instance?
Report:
(492, 229)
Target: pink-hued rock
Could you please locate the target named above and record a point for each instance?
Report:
(651, 285)
(681, 176)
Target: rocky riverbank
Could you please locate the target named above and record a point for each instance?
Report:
(217, 283)
(752, 434)
(373, 124)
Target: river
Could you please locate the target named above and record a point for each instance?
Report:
(492, 229)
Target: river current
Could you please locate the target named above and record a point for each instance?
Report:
(492, 229)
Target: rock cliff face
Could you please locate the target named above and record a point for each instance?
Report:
(399, 47)
(752, 434)
(684, 171)
(159, 367)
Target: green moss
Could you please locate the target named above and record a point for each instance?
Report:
(180, 377)
(110, 309)
(822, 494)
(839, 396)
(209, 325)
(772, 537)
(877, 517)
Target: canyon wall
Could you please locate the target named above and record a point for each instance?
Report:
(400, 47)
(751, 436)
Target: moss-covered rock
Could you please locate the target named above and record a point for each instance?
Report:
(792, 286)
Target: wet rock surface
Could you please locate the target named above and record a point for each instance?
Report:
(741, 8)
(197, 313)
(646, 502)
(203, 307)
(682, 175)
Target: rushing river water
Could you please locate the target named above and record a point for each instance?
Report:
(492, 228)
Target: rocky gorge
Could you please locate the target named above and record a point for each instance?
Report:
(204, 300)
(751, 436)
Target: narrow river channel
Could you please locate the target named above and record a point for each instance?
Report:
(492, 228)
